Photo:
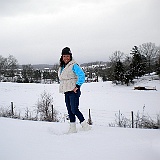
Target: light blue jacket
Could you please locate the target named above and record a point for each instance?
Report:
(80, 74)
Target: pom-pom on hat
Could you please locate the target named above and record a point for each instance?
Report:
(66, 51)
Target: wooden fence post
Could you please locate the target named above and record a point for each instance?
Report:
(90, 120)
(12, 110)
(52, 112)
(120, 119)
(132, 119)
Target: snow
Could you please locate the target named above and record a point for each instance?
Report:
(35, 140)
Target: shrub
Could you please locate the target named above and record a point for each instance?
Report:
(45, 108)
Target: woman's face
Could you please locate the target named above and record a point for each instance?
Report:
(66, 58)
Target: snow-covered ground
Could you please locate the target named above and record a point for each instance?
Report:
(29, 140)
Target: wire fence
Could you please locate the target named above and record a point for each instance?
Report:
(96, 116)
(123, 119)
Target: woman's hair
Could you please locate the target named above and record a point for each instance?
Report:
(62, 62)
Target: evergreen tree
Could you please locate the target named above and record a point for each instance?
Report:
(54, 76)
(3, 65)
(27, 73)
(158, 66)
(37, 75)
(138, 65)
(119, 72)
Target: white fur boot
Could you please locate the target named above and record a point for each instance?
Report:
(85, 126)
(72, 128)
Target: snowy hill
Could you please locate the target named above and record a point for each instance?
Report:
(103, 98)
(29, 140)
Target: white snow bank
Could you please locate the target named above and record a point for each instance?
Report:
(30, 140)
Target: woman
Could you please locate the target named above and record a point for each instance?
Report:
(71, 78)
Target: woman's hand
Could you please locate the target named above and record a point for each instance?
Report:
(75, 90)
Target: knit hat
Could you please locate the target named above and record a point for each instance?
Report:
(66, 51)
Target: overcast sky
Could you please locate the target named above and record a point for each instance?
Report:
(35, 31)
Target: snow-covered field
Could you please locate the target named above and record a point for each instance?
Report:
(29, 140)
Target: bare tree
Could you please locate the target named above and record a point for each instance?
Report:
(117, 56)
(8, 66)
(12, 65)
(150, 51)
(45, 108)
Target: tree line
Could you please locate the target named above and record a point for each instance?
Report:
(10, 70)
(121, 69)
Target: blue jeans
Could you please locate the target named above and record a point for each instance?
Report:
(72, 104)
